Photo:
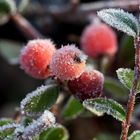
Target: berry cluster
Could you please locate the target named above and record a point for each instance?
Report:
(40, 59)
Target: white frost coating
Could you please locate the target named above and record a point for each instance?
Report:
(46, 121)
(8, 126)
(134, 134)
(63, 62)
(29, 97)
(112, 17)
(105, 106)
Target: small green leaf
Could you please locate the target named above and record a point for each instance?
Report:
(135, 135)
(126, 77)
(7, 7)
(39, 100)
(58, 132)
(115, 88)
(120, 20)
(7, 130)
(4, 121)
(99, 106)
(10, 50)
(72, 109)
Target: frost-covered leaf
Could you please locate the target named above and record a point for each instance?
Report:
(58, 132)
(72, 109)
(44, 122)
(7, 130)
(120, 20)
(10, 50)
(6, 7)
(135, 135)
(39, 100)
(99, 106)
(115, 88)
(126, 77)
(4, 121)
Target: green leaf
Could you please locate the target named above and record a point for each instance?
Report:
(4, 121)
(7, 7)
(7, 130)
(99, 106)
(10, 50)
(39, 100)
(127, 51)
(135, 135)
(115, 88)
(72, 109)
(126, 77)
(58, 132)
(120, 20)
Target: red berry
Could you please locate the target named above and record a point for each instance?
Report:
(99, 39)
(68, 62)
(36, 56)
(88, 85)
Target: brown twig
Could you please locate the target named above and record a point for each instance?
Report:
(133, 92)
(25, 27)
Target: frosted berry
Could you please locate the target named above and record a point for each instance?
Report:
(36, 56)
(99, 39)
(88, 85)
(68, 62)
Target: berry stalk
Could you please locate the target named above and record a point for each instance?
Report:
(131, 102)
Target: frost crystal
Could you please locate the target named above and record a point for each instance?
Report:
(46, 121)
(121, 20)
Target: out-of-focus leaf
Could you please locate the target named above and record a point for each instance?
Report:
(38, 101)
(103, 136)
(120, 20)
(10, 50)
(23, 4)
(135, 135)
(72, 109)
(115, 88)
(6, 7)
(58, 132)
(127, 51)
(99, 106)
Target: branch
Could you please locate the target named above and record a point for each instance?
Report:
(25, 27)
